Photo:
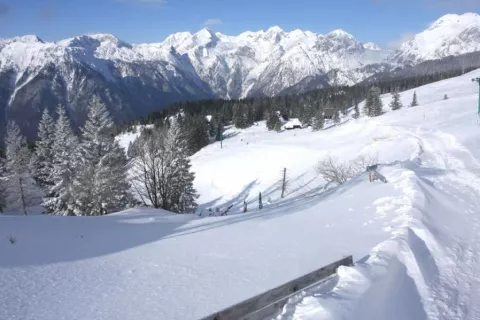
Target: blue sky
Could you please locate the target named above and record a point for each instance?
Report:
(136, 21)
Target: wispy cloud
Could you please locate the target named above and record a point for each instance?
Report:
(4, 9)
(404, 37)
(211, 22)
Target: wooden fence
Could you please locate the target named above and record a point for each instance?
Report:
(271, 302)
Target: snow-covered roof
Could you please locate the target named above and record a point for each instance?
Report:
(292, 123)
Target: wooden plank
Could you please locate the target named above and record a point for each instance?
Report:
(270, 302)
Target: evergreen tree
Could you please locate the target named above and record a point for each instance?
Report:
(195, 131)
(336, 116)
(356, 109)
(43, 163)
(318, 121)
(212, 126)
(59, 198)
(373, 103)
(240, 118)
(273, 121)
(184, 195)
(445, 97)
(396, 103)
(131, 150)
(18, 174)
(3, 185)
(414, 101)
(369, 102)
(307, 114)
(219, 132)
(100, 186)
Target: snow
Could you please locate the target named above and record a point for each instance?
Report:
(372, 46)
(255, 63)
(415, 240)
(292, 123)
(124, 139)
(452, 34)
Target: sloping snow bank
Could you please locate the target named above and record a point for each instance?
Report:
(429, 267)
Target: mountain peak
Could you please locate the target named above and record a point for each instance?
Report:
(108, 38)
(28, 38)
(466, 19)
(275, 29)
(339, 33)
(205, 36)
(372, 46)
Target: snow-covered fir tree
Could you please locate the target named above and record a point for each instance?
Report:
(42, 165)
(240, 119)
(3, 185)
(19, 180)
(272, 120)
(414, 100)
(196, 133)
(356, 110)
(183, 193)
(373, 104)
(59, 198)
(100, 185)
(318, 121)
(336, 116)
(396, 103)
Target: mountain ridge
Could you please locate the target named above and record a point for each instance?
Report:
(133, 79)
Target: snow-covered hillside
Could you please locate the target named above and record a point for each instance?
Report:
(414, 239)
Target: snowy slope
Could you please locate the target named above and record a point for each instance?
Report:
(414, 239)
(428, 268)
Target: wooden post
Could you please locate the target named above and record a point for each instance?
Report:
(245, 208)
(284, 182)
(260, 203)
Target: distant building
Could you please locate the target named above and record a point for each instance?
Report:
(329, 113)
(293, 123)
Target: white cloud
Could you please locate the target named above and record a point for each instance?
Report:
(211, 22)
(404, 37)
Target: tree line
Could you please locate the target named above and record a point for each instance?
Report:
(311, 108)
(89, 174)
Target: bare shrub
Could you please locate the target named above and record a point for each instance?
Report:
(334, 171)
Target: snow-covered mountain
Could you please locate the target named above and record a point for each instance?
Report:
(135, 79)
(450, 35)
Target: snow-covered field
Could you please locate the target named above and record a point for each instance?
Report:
(415, 240)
